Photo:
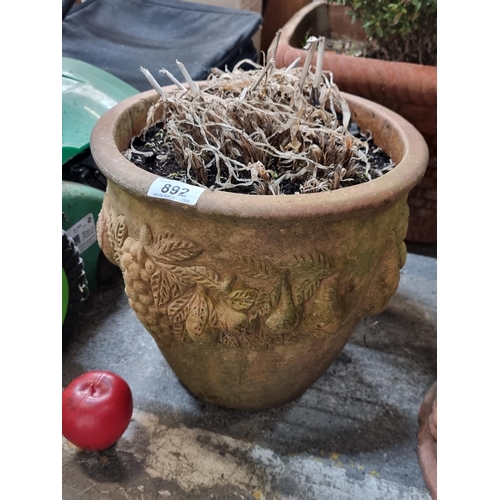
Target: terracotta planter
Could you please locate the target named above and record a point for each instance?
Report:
(276, 14)
(250, 298)
(427, 440)
(408, 89)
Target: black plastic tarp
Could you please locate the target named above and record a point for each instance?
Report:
(119, 36)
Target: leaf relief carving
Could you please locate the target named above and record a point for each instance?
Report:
(259, 269)
(166, 286)
(121, 232)
(203, 276)
(307, 273)
(180, 333)
(305, 290)
(116, 231)
(228, 339)
(314, 262)
(254, 341)
(198, 299)
(242, 300)
(179, 276)
(160, 288)
(178, 309)
(199, 313)
(169, 250)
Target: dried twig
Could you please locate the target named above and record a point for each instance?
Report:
(172, 77)
(319, 63)
(192, 84)
(312, 44)
(152, 81)
(278, 36)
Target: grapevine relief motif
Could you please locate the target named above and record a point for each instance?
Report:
(163, 277)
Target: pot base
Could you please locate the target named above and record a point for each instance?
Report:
(246, 379)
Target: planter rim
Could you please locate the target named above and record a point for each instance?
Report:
(363, 197)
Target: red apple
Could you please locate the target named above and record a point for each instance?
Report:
(96, 410)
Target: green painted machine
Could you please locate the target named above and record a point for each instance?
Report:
(87, 93)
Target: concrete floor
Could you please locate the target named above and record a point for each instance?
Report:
(351, 436)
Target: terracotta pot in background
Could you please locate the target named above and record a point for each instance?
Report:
(408, 89)
(250, 298)
(427, 440)
(276, 14)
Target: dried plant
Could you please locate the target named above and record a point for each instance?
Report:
(263, 131)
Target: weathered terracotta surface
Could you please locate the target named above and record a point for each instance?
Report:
(250, 298)
(408, 89)
(427, 440)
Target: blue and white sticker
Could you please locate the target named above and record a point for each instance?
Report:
(180, 192)
(83, 232)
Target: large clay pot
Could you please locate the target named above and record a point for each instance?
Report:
(408, 89)
(250, 298)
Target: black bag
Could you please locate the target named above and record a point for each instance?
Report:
(119, 36)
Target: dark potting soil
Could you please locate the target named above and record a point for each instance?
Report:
(164, 163)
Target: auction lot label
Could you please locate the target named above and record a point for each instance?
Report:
(176, 191)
